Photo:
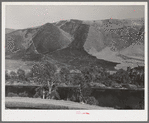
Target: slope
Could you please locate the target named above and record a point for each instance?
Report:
(27, 43)
(113, 40)
(75, 54)
(7, 30)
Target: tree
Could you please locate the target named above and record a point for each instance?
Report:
(76, 78)
(137, 75)
(121, 76)
(29, 75)
(45, 72)
(94, 73)
(13, 75)
(84, 88)
(21, 74)
(64, 75)
(87, 74)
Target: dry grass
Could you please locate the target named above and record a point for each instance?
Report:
(32, 103)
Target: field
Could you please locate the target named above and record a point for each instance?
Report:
(37, 103)
(13, 65)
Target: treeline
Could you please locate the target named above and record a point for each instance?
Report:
(20, 75)
(44, 73)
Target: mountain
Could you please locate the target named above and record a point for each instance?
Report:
(107, 43)
(33, 42)
(75, 55)
(113, 33)
(113, 40)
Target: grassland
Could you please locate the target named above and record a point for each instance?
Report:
(13, 65)
(37, 103)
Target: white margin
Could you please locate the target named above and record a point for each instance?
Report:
(70, 115)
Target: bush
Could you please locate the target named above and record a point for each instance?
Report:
(91, 100)
(116, 85)
(12, 94)
(37, 95)
(24, 94)
(86, 91)
(73, 98)
(55, 95)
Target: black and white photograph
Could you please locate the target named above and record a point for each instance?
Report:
(78, 58)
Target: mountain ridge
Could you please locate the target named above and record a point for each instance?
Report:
(92, 41)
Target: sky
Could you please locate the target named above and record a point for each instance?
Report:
(25, 16)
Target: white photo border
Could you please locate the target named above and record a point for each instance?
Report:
(71, 115)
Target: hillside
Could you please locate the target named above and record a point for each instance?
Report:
(7, 30)
(107, 43)
(33, 42)
(110, 39)
(75, 54)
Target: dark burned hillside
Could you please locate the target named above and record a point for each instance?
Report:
(49, 39)
(75, 54)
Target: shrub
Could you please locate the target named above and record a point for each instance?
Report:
(108, 83)
(24, 94)
(37, 95)
(55, 95)
(86, 90)
(73, 98)
(10, 94)
(91, 100)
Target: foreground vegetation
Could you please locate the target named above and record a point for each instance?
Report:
(32, 103)
(50, 76)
